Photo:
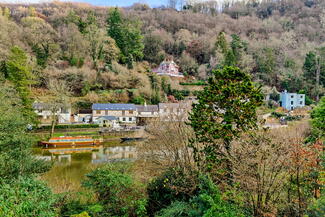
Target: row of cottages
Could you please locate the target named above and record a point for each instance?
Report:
(130, 114)
(116, 113)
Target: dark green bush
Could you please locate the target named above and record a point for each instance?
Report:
(173, 185)
(116, 190)
(27, 197)
(277, 114)
(72, 126)
(207, 202)
(198, 83)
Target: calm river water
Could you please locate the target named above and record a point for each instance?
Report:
(71, 164)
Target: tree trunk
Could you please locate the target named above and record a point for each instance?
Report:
(299, 193)
(53, 125)
(317, 78)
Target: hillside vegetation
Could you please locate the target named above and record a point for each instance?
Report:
(101, 54)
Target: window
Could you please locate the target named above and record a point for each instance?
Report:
(130, 119)
(300, 102)
(98, 112)
(124, 119)
(291, 96)
(291, 108)
(301, 96)
(291, 102)
(130, 112)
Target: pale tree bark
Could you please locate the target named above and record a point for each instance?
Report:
(317, 78)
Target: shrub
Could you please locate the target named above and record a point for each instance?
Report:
(27, 197)
(198, 83)
(76, 126)
(173, 185)
(208, 202)
(117, 192)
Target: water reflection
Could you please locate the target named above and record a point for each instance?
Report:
(99, 154)
(71, 164)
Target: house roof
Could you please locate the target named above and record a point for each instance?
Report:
(48, 106)
(40, 105)
(147, 108)
(109, 118)
(113, 106)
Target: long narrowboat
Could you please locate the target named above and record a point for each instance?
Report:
(70, 141)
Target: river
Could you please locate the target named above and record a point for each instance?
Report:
(71, 164)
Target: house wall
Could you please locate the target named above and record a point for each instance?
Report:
(291, 101)
(46, 116)
(119, 113)
(127, 116)
(148, 114)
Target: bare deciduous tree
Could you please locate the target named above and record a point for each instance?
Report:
(168, 147)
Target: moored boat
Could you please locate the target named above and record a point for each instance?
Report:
(131, 139)
(70, 141)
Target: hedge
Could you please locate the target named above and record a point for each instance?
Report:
(72, 126)
(198, 83)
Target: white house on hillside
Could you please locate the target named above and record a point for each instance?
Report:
(45, 112)
(168, 67)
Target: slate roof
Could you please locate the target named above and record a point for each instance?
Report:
(47, 106)
(113, 106)
(147, 108)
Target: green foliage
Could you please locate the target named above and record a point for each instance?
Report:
(197, 83)
(16, 158)
(117, 192)
(82, 202)
(317, 208)
(176, 209)
(225, 109)
(152, 47)
(173, 185)
(286, 117)
(308, 100)
(42, 54)
(180, 94)
(231, 53)
(266, 65)
(310, 65)
(139, 100)
(18, 71)
(20, 194)
(318, 119)
(26, 197)
(208, 202)
(312, 59)
(222, 43)
(127, 36)
(83, 214)
(68, 126)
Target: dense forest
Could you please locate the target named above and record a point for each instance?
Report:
(222, 161)
(100, 54)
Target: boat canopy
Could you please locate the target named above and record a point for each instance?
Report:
(72, 140)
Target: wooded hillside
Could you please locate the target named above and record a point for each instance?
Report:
(105, 54)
